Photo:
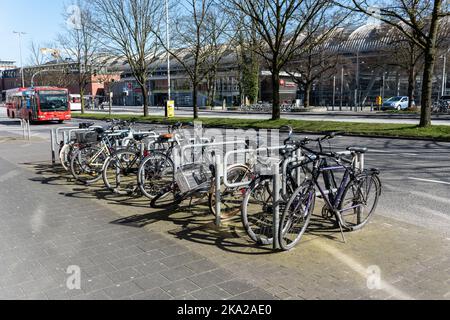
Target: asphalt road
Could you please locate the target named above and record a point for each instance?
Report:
(415, 176)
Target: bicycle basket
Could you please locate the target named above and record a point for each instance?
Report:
(264, 165)
(86, 137)
(190, 177)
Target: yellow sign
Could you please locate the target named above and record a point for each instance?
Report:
(170, 109)
(378, 101)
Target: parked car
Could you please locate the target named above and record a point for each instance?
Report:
(445, 100)
(396, 103)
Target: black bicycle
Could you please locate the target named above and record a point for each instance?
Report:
(352, 202)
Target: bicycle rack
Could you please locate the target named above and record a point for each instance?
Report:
(277, 179)
(219, 168)
(275, 169)
(24, 127)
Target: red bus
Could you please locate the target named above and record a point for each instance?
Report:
(38, 104)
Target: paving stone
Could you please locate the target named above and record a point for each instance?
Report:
(177, 273)
(151, 282)
(211, 293)
(180, 288)
(206, 279)
(255, 294)
(235, 287)
(122, 290)
(155, 294)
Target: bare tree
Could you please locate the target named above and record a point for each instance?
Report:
(218, 43)
(36, 56)
(280, 25)
(248, 62)
(129, 28)
(409, 57)
(419, 21)
(197, 42)
(314, 59)
(78, 43)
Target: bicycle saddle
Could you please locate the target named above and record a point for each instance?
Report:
(85, 125)
(140, 136)
(166, 136)
(99, 130)
(357, 149)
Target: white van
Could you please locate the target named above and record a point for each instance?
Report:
(75, 102)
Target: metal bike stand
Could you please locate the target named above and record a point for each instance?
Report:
(276, 206)
(218, 177)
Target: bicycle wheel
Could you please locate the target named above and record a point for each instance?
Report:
(231, 198)
(155, 173)
(167, 198)
(296, 216)
(64, 156)
(359, 201)
(257, 211)
(87, 163)
(120, 172)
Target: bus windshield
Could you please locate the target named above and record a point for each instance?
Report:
(53, 101)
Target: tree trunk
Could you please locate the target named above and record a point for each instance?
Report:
(194, 101)
(82, 100)
(145, 99)
(275, 94)
(411, 85)
(427, 85)
(308, 85)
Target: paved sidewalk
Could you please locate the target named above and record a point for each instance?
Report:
(128, 251)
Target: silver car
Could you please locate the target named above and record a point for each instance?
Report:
(396, 103)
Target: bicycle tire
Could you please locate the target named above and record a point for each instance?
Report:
(231, 198)
(117, 167)
(167, 198)
(256, 213)
(355, 196)
(84, 172)
(300, 206)
(155, 171)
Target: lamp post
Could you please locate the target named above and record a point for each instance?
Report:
(444, 75)
(19, 35)
(342, 88)
(168, 53)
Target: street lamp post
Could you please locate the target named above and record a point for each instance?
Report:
(342, 88)
(168, 53)
(444, 75)
(19, 35)
(334, 90)
(168, 59)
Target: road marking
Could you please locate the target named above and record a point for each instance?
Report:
(428, 180)
(361, 270)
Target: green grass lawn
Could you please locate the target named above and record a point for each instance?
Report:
(356, 128)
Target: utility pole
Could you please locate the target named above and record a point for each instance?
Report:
(19, 34)
(342, 88)
(168, 53)
(168, 58)
(334, 90)
(444, 75)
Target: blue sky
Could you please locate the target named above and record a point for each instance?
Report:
(40, 19)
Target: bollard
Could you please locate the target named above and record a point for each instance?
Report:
(52, 142)
(29, 130)
(275, 205)
(218, 174)
(299, 169)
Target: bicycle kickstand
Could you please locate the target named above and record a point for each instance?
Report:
(342, 231)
